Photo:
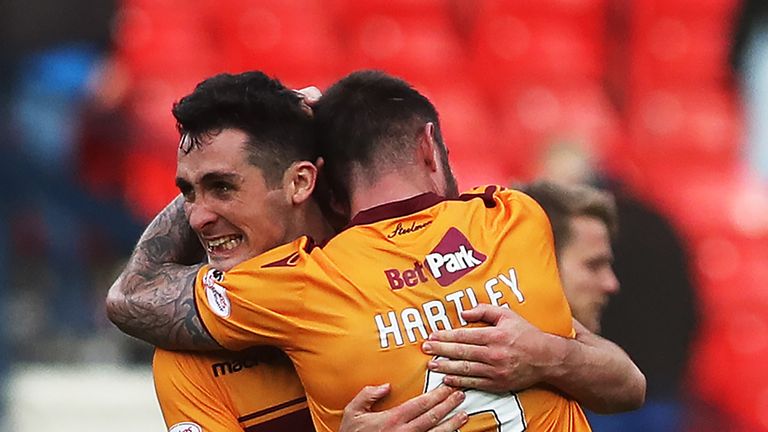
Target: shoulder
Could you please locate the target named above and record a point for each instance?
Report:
(499, 196)
(289, 255)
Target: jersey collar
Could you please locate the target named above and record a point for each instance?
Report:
(395, 209)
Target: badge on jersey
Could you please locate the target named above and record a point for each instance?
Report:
(218, 301)
(186, 427)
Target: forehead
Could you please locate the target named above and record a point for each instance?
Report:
(221, 152)
(589, 231)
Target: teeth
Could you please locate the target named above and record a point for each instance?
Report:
(224, 243)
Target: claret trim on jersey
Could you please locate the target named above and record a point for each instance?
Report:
(416, 204)
(292, 259)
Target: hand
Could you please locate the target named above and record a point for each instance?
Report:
(309, 95)
(509, 355)
(420, 414)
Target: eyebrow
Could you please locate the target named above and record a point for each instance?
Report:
(215, 176)
(209, 178)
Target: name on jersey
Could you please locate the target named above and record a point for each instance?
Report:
(451, 259)
(412, 324)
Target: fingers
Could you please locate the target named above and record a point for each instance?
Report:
(363, 401)
(484, 313)
(456, 351)
(474, 336)
(484, 384)
(461, 367)
(441, 406)
(425, 402)
(452, 424)
(310, 94)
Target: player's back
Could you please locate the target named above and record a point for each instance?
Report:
(406, 269)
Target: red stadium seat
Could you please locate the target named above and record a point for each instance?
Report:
(415, 40)
(524, 40)
(292, 39)
(534, 116)
(691, 126)
(727, 366)
(720, 8)
(712, 202)
(680, 50)
(163, 38)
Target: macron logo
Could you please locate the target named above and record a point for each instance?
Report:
(453, 258)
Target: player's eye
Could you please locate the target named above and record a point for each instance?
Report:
(222, 188)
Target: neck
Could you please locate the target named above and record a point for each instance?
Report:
(311, 223)
(386, 188)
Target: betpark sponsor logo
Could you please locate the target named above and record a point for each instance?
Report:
(450, 260)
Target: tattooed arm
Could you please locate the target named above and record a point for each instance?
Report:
(152, 299)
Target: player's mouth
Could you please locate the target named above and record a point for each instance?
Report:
(223, 243)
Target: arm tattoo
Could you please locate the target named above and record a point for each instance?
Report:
(152, 299)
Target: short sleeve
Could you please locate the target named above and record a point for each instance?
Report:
(539, 278)
(258, 302)
(187, 394)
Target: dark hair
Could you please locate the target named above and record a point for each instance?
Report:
(279, 130)
(562, 203)
(371, 121)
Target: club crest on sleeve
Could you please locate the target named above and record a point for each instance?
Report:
(212, 276)
(185, 427)
(218, 301)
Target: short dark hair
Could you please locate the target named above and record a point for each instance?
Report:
(279, 131)
(562, 203)
(371, 120)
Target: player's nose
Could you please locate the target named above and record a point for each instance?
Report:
(200, 215)
(610, 282)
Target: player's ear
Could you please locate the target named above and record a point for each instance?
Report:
(427, 149)
(300, 181)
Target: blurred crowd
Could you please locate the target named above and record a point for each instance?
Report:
(658, 101)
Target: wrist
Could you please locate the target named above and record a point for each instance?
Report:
(558, 351)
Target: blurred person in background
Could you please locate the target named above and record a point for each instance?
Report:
(652, 266)
(584, 221)
(749, 56)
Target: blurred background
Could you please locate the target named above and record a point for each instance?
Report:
(663, 102)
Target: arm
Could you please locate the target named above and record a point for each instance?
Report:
(512, 354)
(152, 299)
(420, 414)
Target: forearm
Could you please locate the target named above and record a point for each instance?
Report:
(152, 298)
(596, 372)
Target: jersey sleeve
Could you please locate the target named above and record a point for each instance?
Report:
(187, 394)
(258, 302)
(547, 306)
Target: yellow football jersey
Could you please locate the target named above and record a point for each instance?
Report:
(355, 311)
(253, 391)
